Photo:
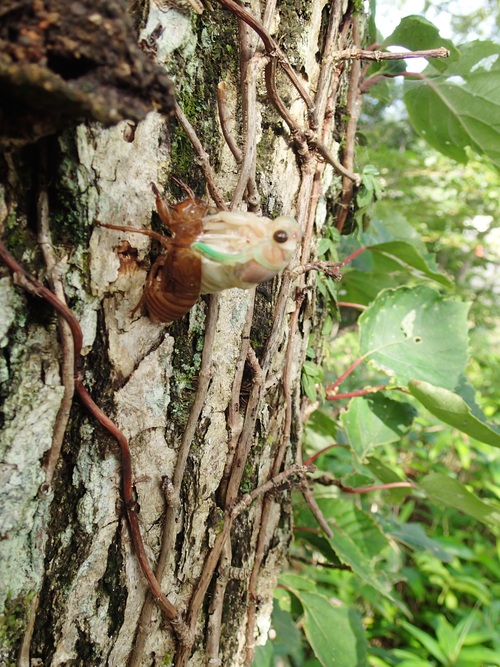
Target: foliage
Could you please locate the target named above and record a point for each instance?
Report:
(408, 473)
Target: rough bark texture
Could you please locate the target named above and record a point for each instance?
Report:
(70, 582)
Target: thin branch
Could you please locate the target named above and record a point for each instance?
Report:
(272, 484)
(350, 304)
(330, 269)
(328, 481)
(272, 49)
(330, 390)
(251, 67)
(203, 157)
(360, 54)
(316, 455)
(338, 166)
(353, 111)
(315, 509)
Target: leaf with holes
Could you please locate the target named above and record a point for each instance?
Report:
(416, 334)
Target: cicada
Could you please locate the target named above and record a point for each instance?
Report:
(210, 252)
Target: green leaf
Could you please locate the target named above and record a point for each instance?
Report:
(427, 642)
(478, 655)
(320, 430)
(371, 421)
(414, 536)
(264, 656)
(335, 634)
(296, 582)
(416, 334)
(460, 106)
(441, 488)
(358, 542)
(288, 639)
(452, 409)
(407, 256)
(417, 33)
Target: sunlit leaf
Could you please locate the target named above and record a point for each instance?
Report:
(416, 334)
(460, 106)
(452, 409)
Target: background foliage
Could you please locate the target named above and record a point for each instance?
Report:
(407, 393)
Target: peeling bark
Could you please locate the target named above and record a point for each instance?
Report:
(67, 566)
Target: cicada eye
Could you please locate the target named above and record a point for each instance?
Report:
(280, 236)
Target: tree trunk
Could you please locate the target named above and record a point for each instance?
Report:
(210, 405)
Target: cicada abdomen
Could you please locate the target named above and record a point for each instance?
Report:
(173, 284)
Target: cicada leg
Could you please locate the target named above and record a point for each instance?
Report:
(165, 241)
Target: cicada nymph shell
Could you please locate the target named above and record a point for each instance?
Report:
(208, 253)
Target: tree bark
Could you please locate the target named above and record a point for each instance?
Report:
(210, 405)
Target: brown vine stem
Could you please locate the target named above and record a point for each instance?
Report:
(171, 513)
(350, 304)
(250, 67)
(331, 389)
(26, 280)
(307, 201)
(235, 424)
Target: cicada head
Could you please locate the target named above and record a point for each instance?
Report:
(243, 249)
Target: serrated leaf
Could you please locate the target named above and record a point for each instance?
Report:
(452, 409)
(371, 421)
(452, 493)
(416, 334)
(335, 634)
